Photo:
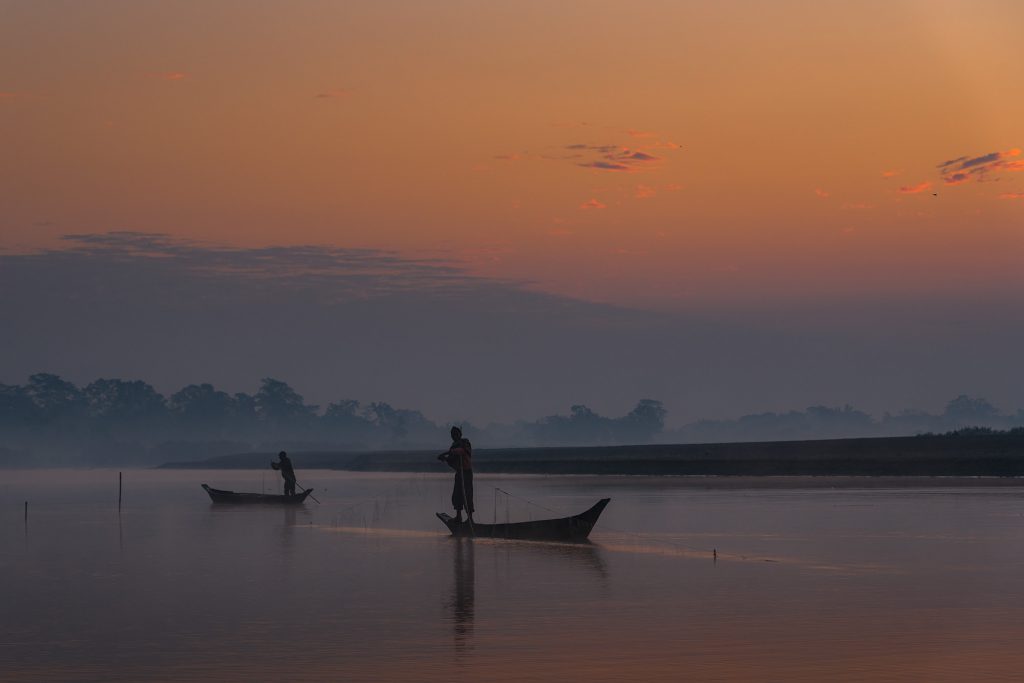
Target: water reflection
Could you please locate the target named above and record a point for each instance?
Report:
(288, 530)
(585, 556)
(462, 600)
(230, 593)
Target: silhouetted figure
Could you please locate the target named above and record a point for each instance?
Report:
(460, 458)
(285, 466)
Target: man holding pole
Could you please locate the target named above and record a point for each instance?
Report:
(460, 458)
(284, 464)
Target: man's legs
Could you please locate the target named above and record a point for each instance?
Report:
(467, 481)
(457, 496)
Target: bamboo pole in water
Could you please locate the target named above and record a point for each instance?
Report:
(119, 492)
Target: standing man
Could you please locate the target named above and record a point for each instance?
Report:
(460, 458)
(285, 465)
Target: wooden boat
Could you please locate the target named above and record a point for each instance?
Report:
(219, 496)
(573, 529)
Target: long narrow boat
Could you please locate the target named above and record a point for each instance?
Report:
(219, 496)
(573, 529)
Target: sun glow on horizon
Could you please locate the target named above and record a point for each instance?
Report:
(719, 154)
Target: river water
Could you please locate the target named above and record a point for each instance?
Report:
(810, 583)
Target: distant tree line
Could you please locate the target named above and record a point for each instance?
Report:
(821, 422)
(51, 421)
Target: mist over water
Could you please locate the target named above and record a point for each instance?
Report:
(810, 583)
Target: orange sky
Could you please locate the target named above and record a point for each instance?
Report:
(667, 154)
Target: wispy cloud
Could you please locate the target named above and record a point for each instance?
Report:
(605, 156)
(916, 189)
(1012, 195)
(644, 192)
(613, 157)
(606, 166)
(821, 193)
(360, 272)
(592, 204)
(979, 168)
(892, 173)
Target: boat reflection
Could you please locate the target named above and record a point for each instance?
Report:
(462, 600)
(460, 603)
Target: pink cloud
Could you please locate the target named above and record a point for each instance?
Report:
(614, 158)
(608, 166)
(1012, 195)
(821, 193)
(916, 189)
(606, 156)
(643, 192)
(592, 204)
(890, 174)
(621, 158)
(964, 169)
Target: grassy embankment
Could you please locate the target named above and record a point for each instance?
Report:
(999, 455)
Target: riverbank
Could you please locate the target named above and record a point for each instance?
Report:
(916, 456)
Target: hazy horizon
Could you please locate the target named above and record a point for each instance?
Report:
(503, 209)
(377, 326)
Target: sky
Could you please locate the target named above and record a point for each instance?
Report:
(730, 206)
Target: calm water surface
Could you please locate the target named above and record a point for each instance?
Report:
(810, 584)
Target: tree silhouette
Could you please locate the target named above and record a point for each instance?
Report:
(120, 400)
(642, 423)
(966, 411)
(280, 406)
(55, 398)
(17, 409)
(203, 408)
